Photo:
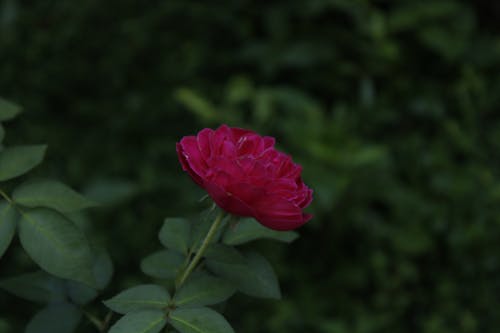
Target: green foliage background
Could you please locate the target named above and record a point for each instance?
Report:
(391, 106)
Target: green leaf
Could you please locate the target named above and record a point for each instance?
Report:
(56, 318)
(145, 321)
(16, 161)
(265, 283)
(8, 220)
(254, 276)
(80, 293)
(225, 254)
(143, 297)
(50, 194)
(248, 230)
(6, 325)
(81, 220)
(175, 234)
(102, 268)
(8, 110)
(2, 133)
(163, 264)
(109, 192)
(199, 320)
(56, 245)
(36, 287)
(203, 290)
(200, 228)
(195, 103)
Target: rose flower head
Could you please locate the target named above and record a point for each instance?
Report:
(246, 176)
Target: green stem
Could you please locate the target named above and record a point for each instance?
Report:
(96, 321)
(11, 202)
(5, 196)
(203, 247)
(107, 321)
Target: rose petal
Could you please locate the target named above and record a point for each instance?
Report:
(203, 138)
(193, 156)
(307, 200)
(228, 149)
(279, 214)
(246, 192)
(269, 142)
(227, 200)
(228, 165)
(186, 167)
(283, 223)
(250, 144)
(240, 132)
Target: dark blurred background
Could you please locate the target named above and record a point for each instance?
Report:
(391, 106)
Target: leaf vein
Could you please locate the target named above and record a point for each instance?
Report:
(183, 301)
(138, 302)
(46, 233)
(187, 324)
(153, 324)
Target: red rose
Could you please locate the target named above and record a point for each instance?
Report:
(246, 176)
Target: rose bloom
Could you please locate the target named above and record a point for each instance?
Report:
(246, 176)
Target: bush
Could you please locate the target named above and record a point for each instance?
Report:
(391, 107)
